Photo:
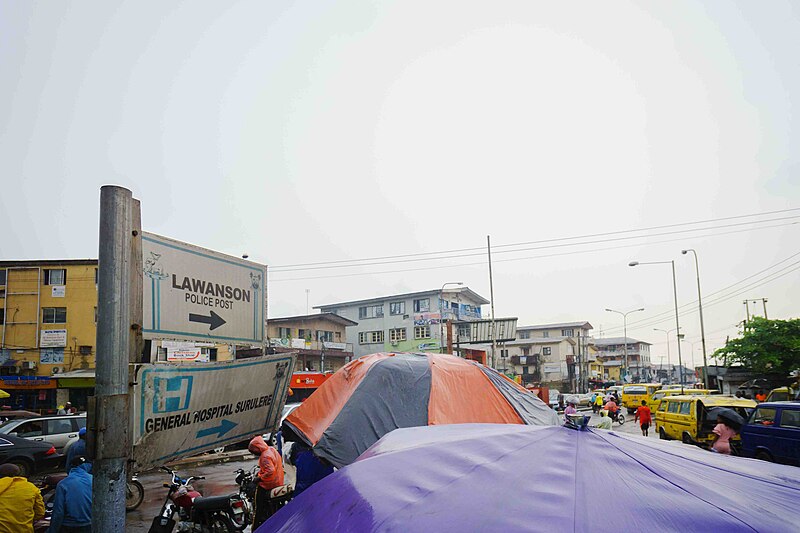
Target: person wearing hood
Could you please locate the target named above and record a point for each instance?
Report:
(20, 501)
(78, 449)
(72, 504)
(270, 475)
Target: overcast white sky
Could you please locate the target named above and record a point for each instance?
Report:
(303, 132)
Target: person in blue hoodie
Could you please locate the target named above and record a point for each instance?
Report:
(310, 468)
(78, 449)
(72, 505)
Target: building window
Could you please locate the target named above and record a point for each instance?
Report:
(55, 276)
(325, 336)
(370, 337)
(422, 305)
(338, 336)
(397, 308)
(422, 332)
(95, 315)
(464, 331)
(2, 277)
(397, 335)
(370, 311)
(285, 333)
(545, 334)
(2, 316)
(96, 276)
(547, 350)
(54, 315)
(524, 334)
(567, 333)
(526, 351)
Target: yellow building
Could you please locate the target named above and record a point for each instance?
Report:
(48, 320)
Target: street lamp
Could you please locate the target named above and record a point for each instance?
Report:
(675, 294)
(441, 314)
(700, 308)
(625, 334)
(669, 362)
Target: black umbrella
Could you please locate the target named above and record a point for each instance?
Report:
(735, 420)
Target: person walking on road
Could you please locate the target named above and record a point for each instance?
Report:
(598, 402)
(270, 475)
(20, 501)
(72, 504)
(605, 421)
(645, 418)
(723, 434)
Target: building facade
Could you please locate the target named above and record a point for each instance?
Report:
(613, 349)
(549, 354)
(320, 340)
(48, 318)
(409, 322)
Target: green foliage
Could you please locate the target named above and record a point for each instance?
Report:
(765, 346)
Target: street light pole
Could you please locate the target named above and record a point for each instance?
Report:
(441, 314)
(669, 361)
(700, 308)
(625, 334)
(675, 294)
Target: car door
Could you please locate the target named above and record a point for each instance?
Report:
(6, 447)
(59, 431)
(32, 430)
(757, 434)
(787, 436)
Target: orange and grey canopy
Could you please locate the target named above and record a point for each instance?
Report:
(378, 393)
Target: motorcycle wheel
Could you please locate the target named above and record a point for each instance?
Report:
(134, 494)
(621, 419)
(219, 523)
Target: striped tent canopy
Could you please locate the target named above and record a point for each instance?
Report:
(377, 393)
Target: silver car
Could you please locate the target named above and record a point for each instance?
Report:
(60, 431)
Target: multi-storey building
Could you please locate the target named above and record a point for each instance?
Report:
(613, 349)
(548, 354)
(48, 318)
(406, 322)
(320, 340)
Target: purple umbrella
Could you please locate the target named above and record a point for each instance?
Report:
(499, 477)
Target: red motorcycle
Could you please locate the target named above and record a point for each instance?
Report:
(194, 513)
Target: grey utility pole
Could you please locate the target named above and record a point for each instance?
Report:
(110, 415)
(625, 337)
(491, 295)
(700, 308)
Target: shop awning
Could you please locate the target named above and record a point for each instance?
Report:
(4, 394)
(77, 379)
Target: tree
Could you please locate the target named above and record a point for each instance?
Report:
(765, 346)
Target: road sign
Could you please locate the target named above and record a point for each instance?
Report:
(185, 409)
(192, 293)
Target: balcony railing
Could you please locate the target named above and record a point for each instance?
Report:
(302, 344)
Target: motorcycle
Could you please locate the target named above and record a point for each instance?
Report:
(195, 513)
(247, 481)
(618, 417)
(134, 493)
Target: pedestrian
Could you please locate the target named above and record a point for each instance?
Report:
(310, 468)
(761, 396)
(645, 418)
(605, 421)
(591, 401)
(270, 475)
(70, 409)
(61, 411)
(723, 434)
(20, 501)
(570, 409)
(598, 402)
(72, 504)
(78, 449)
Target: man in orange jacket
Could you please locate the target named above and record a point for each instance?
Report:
(20, 501)
(270, 475)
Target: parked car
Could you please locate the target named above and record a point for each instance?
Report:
(554, 395)
(60, 431)
(772, 433)
(655, 400)
(685, 417)
(30, 456)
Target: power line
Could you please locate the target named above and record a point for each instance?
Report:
(544, 241)
(575, 252)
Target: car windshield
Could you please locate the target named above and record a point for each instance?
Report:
(7, 423)
(635, 390)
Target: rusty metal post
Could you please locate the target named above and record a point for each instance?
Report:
(110, 419)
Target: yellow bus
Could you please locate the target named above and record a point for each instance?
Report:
(686, 417)
(633, 394)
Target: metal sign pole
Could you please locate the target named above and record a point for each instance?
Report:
(110, 416)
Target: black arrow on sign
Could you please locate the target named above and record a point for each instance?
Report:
(214, 320)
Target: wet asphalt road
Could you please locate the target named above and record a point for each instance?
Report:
(219, 482)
